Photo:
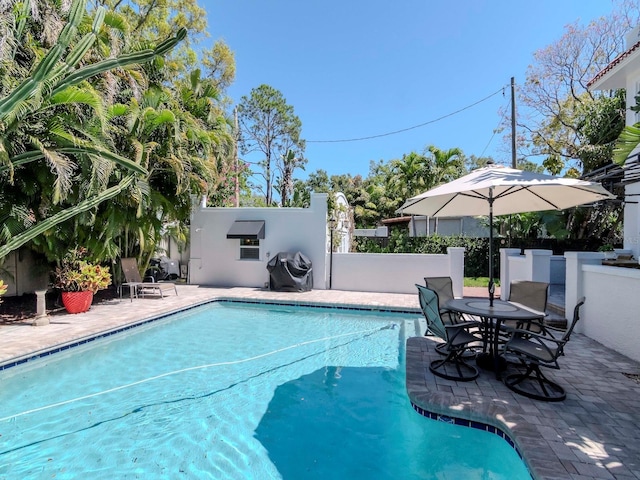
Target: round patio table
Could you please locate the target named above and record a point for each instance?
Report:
(492, 318)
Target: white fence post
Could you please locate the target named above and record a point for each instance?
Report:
(505, 271)
(538, 265)
(574, 288)
(456, 269)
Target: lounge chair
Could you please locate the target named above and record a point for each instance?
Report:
(456, 337)
(535, 350)
(137, 287)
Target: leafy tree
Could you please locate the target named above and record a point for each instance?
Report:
(472, 162)
(410, 175)
(50, 112)
(146, 21)
(269, 126)
(445, 165)
(599, 125)
(289, 162)
(528, 166)
(219, 65)
(558, 105)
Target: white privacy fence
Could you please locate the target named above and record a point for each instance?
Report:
(610, 313)
(394, 272)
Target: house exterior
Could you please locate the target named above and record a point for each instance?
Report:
(624, 72)
(422, 226)
(230, 247)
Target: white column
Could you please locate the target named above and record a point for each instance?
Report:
(456, 269)
(505, 276)
(538, 264)
(574, 288)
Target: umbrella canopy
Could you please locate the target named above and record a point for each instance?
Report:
(498, 190)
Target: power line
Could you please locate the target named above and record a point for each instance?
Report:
(495, 130)
(415, 126)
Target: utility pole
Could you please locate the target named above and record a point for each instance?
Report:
(236, 135)
(513, 123)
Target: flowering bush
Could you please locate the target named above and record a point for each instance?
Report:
(77, 275)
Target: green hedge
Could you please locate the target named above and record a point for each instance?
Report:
(476, 263)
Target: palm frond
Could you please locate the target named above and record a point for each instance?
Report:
(628, 140)
(61, 165)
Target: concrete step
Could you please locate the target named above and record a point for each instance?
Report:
(555, 317)
(555, 308)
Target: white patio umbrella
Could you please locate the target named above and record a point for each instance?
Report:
(498, 190)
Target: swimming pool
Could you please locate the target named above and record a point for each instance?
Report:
(237, 391)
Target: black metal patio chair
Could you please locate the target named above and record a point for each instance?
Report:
(443, 286)
(533, 295)
(456, 337)
(536, 350)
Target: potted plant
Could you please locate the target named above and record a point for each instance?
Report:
(79, 280)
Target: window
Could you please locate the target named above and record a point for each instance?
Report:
(249, 249)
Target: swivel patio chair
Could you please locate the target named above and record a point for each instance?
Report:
(456, 337)
(535, 350)
(443, 286)
(531, 294)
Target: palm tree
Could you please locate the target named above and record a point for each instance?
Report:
(445, 165)
(53, 114)
(409, 176)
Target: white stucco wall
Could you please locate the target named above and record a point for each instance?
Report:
(631, 225)
(534, 265)
(215, 259)
(632, 219)
(610, 313)
(395, 272)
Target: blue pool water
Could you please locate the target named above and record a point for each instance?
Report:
(239, 392)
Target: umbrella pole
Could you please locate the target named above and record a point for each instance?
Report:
(492, 287)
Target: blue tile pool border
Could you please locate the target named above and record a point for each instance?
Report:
(103, 335)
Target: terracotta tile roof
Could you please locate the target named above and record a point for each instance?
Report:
(614, 63)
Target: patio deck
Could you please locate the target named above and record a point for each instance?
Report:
(593, 434)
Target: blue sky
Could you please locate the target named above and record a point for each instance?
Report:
(360, 68)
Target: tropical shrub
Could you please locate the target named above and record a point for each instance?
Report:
(78, 275)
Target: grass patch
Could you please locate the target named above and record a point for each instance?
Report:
(479, 281)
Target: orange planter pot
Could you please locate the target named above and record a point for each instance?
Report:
(77, 302)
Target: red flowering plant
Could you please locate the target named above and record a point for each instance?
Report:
(76, 274)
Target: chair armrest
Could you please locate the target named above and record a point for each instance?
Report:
(538, 337)
(465, 324)
(551, 330)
